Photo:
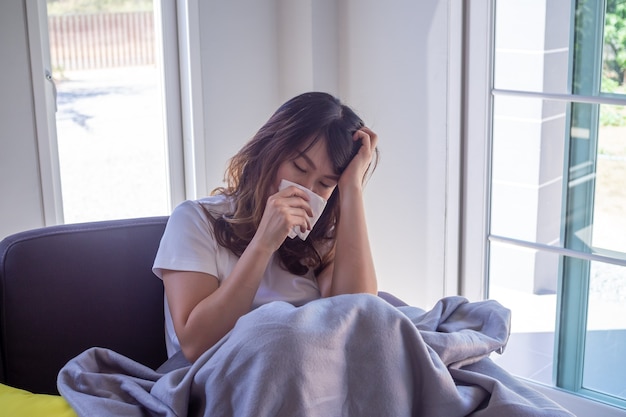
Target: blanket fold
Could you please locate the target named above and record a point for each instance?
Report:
(350, 355)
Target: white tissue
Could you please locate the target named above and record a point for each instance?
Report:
(317, 204)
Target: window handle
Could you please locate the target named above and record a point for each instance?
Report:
(54, 88)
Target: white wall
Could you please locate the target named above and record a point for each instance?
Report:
(239, 76)
(20, 185)
(388, 60)
(394, 71)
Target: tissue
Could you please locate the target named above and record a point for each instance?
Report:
(316, 202)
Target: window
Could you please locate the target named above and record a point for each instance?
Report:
(556, 225)
(110, 135)
(109, 115)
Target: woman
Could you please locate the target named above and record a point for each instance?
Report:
(222, 256)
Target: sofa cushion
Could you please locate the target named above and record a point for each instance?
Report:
(20, 403)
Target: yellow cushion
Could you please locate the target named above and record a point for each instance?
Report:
(19, 403)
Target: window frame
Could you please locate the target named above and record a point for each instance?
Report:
(170, 16)
(44, 99)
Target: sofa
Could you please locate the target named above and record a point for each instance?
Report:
(67, 288)
(64, 289)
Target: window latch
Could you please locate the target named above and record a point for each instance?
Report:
(50, 79)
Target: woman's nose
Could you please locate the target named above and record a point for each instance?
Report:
(308, 183)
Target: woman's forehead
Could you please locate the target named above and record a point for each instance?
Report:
(314, 145)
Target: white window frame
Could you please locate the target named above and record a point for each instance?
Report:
(168, 15)
(476, 148)
(454, 141)
(191, 99)
(44, 97)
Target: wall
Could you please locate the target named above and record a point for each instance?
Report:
(20, 184)
(394, 71)
(239, 76)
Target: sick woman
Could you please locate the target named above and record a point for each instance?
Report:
(227, 254)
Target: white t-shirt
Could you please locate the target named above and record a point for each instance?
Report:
(188, 244)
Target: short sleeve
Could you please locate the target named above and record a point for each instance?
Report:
(188, 243)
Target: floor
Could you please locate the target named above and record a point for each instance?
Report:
(530, 355)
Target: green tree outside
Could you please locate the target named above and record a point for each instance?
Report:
(614, 61)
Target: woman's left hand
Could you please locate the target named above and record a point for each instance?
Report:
(352, 270)
(355, 172)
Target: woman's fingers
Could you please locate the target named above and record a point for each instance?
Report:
(369, 139)
(357, 168)
(287, 209)
(295, 197)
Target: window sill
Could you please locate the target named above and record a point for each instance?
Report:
(578, 405)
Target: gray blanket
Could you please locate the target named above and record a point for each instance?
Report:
(350, 355)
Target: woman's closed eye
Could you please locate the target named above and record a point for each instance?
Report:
(299, 168)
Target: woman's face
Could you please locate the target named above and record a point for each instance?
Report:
(311, 169)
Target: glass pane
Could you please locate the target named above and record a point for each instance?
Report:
(609, 220)
(532, 45)
(527, 168)
(110, 127)
(605, 340)
(519, 279)
(587, 54)
(597, 168)
(614, 48)
(581, 176)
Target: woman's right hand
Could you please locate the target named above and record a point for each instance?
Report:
(204, 309)
(284, 210)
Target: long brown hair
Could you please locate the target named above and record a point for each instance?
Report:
(296, 126)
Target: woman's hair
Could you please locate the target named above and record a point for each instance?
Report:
(295, 127)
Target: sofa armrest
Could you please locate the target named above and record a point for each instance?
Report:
(66, 288)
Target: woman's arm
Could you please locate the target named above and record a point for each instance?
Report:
(353, 268)
(202, 310)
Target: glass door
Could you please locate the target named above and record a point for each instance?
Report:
(557, 248)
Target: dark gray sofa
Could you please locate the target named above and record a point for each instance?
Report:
(64, 289)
